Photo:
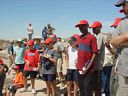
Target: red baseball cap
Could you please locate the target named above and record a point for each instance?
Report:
(1, 61)
(16, 68)
(76, 36)
(48, 41)
(30, 42)
(96, 24)
(82, 22)
(116, 22)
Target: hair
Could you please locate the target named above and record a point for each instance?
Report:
(72, 40)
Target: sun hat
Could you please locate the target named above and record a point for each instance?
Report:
(82, 22)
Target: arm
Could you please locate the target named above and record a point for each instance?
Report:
(118, 40)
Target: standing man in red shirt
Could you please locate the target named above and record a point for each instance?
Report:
(87, 50)
(31, 58)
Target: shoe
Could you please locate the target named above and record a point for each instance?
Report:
(23, 90)
(33, 91)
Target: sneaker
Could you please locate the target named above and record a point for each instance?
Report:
(23, 90)
(33, 91)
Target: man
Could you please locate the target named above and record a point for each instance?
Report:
(118, 41)
(96, 28)
(30, 31)
(87, 50)
(58, 46)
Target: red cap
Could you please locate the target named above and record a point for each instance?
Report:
(48, 41)
(16, 68)
(116, 22)
(96, 24)
(30, 42)
(1, 62)
(76, 36)
(82, 22)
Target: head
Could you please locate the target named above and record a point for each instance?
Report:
(30, 44)
(72, 40)
(124, 4)
(30, 24)
(96, 27)
(83, 26)
(16, 69)
(19, 42)
(58, 39)
(37, 39)
(49, 43)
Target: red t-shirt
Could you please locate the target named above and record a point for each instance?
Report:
(33, 57)
(86, 47)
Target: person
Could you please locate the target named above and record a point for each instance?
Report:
(16, 83)
(114, 76)
(87, 50)
(120, 40)
(58, 46)
(72, 73)
(18, 55)
(10, 51)
(3, 71)
(44, 33)
(30, 31)
(31, 66)
(48, 67)
(50, 29)
(96, 28)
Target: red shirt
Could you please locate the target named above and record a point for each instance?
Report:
(86, 47)
(32, 57)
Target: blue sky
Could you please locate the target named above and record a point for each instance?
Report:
(15, 15)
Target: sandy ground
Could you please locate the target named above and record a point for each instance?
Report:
(39, 85)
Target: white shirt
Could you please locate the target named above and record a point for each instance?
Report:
(72, 54)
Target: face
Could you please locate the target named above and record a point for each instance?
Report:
(83, 28)
(19, 43)
(30, 47)
(50, 45)
(96, 30)
(125, 7)
(37, 41)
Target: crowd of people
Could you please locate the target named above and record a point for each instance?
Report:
(96, 62)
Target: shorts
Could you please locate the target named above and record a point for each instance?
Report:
(21, 66)
(59, 64)
(48, 77)
(32, 74)
(72, 75)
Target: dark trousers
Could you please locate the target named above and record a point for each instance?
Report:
(106, 73)
(2, 79)
(21, 67)
(90, 83)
